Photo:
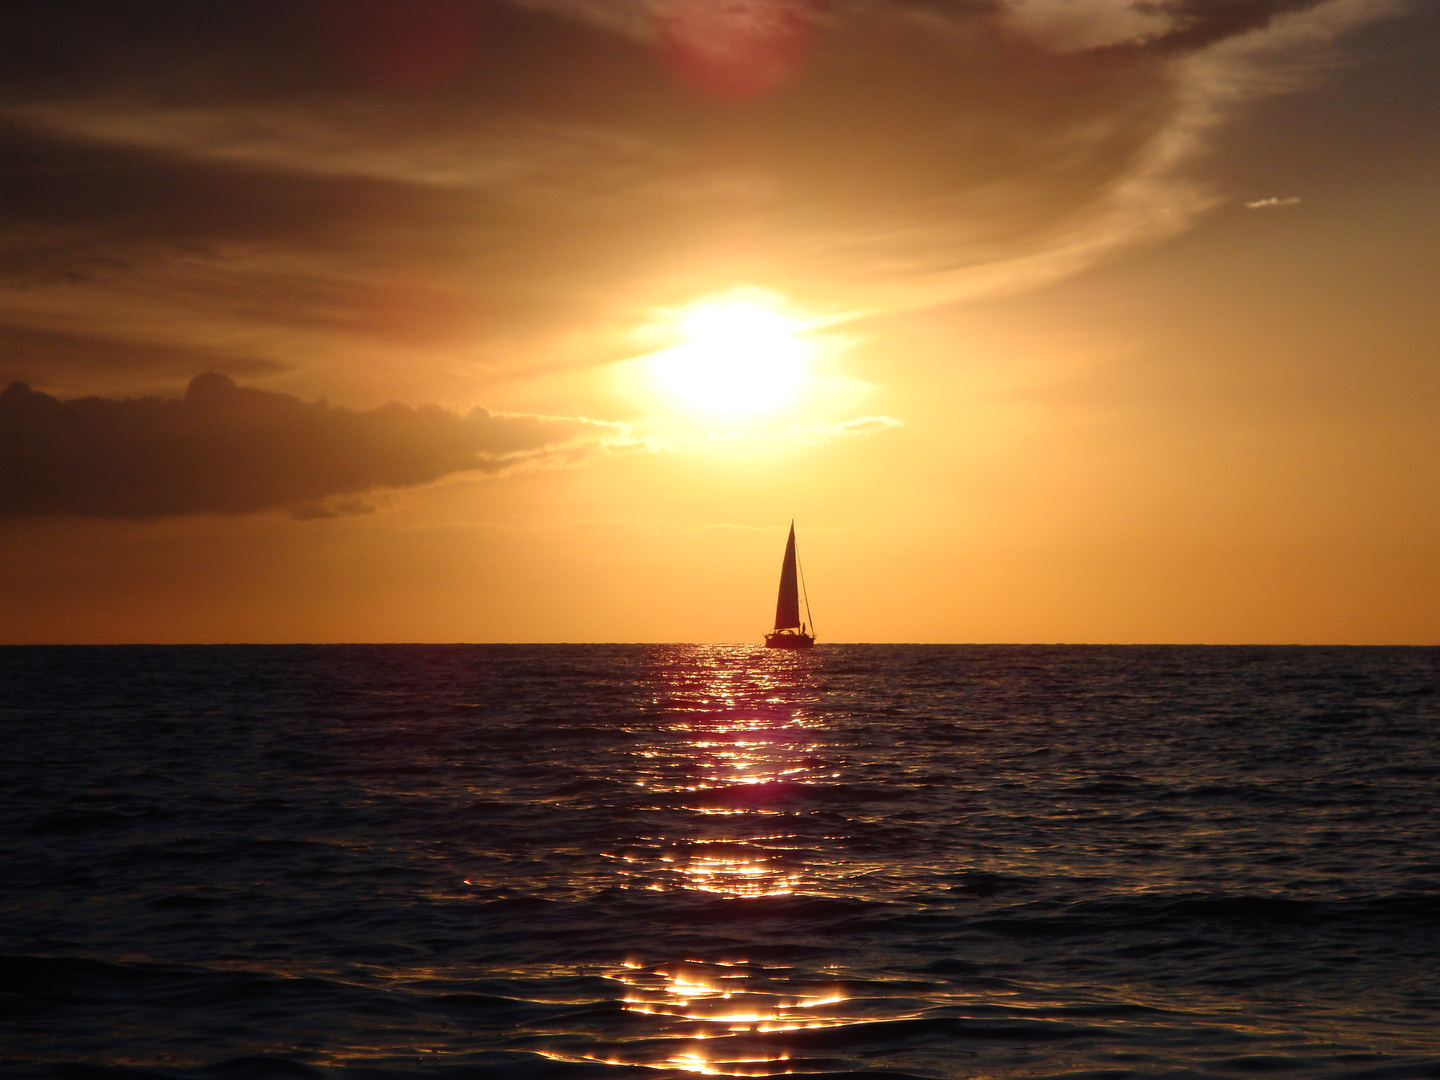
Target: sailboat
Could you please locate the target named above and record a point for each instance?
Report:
(790, 632)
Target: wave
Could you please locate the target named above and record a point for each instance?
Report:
(373, 862)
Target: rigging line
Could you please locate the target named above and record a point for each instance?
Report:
(804, 591)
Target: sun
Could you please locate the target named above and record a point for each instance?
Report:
(741, 355)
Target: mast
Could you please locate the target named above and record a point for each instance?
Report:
(787, 605)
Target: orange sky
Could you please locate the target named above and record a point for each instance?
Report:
(1100, 325)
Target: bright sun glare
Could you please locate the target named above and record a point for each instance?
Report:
(742, 356)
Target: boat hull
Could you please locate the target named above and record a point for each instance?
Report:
(788, 641)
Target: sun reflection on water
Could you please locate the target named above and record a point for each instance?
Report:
(739, 877)
(730, 783)
(715, 1018)
(725, 1002)
(722, 763)
(709, 995)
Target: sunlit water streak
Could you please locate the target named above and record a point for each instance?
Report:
(651, 861)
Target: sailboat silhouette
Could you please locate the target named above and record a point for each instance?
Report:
(790, 631)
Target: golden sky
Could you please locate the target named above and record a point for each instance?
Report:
(539, 320)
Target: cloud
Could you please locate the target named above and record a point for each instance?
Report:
(226, 449)
(1273, 200)
(813, 434)
(819, 434)
(79, 358)
(183, 176)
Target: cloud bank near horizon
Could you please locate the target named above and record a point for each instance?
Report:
(227, 449)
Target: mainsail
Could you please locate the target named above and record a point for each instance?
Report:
(787, 607)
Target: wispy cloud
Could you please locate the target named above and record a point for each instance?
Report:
(818, 434)
(227, 183)
(1273, 200)
(810, 434)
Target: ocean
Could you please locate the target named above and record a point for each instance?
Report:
(660, 861)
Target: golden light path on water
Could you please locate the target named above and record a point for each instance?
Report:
(738, 772)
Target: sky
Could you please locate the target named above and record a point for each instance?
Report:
(540, 320)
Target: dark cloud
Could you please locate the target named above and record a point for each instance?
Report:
(269, 168)
(1196, 24)
(78, 210)
(80, 359)
(226, 449)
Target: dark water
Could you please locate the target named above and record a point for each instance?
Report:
(575, 861)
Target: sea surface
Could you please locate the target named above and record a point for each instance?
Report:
(655, 861)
